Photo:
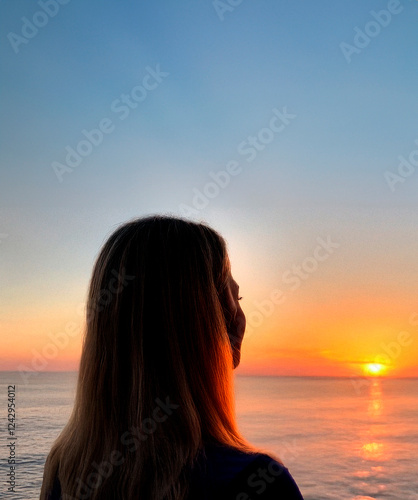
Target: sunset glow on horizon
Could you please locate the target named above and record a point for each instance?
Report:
(305, 332)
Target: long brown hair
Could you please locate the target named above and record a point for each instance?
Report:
(155, 380)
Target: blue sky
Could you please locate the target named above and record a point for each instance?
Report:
(323, 173)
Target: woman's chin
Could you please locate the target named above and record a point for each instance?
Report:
(236, 358)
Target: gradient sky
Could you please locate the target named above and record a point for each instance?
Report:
(321, 175)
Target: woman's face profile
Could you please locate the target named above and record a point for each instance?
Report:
(235, 318)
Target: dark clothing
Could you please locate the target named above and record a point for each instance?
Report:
(224, 473)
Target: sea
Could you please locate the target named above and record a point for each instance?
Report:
(340, 438)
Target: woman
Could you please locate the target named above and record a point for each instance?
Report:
(154, 410)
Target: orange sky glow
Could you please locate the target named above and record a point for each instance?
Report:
(307, 336)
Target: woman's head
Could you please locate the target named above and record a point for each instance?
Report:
(163, 282)
(162, 315)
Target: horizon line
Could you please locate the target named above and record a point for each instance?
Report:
(379, 377)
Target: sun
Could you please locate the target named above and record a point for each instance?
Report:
(374, 369)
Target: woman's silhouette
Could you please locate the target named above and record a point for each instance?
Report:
(154, 410)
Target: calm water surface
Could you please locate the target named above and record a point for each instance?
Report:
(341, 439)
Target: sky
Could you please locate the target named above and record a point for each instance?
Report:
(290, 127)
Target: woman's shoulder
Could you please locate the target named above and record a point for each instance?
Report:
(236, 475)
(265, 479)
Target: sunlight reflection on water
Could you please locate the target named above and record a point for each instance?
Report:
(336, 442)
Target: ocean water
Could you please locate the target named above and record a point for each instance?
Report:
(342, 439)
